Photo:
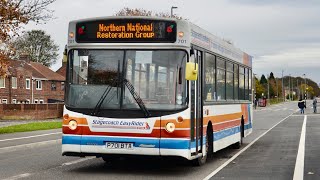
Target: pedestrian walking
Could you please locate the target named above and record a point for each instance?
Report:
(314, 103)
(301, 106)
(255, 103)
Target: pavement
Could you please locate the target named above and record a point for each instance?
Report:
(4, 123)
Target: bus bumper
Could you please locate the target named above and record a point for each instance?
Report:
(76, 145)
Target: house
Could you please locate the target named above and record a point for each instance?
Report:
(30, 82)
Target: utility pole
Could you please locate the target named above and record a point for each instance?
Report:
(301, 91)
(289, 87)
(277, 90)
(305, 90)
(268, 90)
(298, 89)
(172, 7)
(282, 87)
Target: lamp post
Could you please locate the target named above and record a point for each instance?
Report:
(173, 7)
(283, 94)
(289, 88)
(305, 90)
(277, 91)
(268, 91)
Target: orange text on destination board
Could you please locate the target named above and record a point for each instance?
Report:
(127, 31)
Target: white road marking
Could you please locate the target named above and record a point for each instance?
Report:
(11, 148)
(244, 149)
(77, 161)
(26, 137)
(18, 176)
(299, 168)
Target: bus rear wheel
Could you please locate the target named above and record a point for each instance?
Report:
(238, 145)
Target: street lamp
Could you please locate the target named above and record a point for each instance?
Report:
(289, 88)
(268, 90)
(282, 92)
(173, 7)
(305, 90)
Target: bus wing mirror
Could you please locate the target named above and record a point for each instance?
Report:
(191, 71)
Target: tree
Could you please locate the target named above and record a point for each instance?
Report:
(271, 76)
(13, 14)
(263, 80)
(38, 45)
(259, 88)
(142, 12)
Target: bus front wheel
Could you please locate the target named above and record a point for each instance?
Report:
(202, 159)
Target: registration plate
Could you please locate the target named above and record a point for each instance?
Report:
(117, 145)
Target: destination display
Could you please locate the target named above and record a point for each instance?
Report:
(126, 30)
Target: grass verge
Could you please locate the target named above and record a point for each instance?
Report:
(30, 127)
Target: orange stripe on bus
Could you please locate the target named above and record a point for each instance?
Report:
(219, 127)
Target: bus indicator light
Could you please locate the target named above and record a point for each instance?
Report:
(66, 116)
(71, 35)
(180, 34)
(180, 119)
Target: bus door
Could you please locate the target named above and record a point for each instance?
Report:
(197, 107)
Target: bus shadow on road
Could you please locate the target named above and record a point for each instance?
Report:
(142, 165)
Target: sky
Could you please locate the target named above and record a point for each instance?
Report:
(281, 35)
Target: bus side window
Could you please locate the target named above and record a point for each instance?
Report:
(210, 77)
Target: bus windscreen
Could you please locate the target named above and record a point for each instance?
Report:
(126, 31)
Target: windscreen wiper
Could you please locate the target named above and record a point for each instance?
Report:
(103, 97)
(137, 98)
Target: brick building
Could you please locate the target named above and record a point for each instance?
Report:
(29, 82)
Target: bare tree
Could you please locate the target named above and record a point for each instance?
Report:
(13, 14)
(38, 45)
(142, 12)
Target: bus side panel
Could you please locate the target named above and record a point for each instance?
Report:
(226, 122)
(248, 120)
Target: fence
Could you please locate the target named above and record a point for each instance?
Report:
(30, 111)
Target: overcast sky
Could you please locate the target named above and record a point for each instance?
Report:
(279, 34)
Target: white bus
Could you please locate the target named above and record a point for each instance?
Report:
(153, 86)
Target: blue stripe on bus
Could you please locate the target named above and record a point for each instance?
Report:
(224, 133)
(100, 141)
(249, 126)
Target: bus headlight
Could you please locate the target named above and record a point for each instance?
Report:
(170, 127)
(73, 124)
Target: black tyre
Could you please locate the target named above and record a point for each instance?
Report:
(238, 145)
(203, 159)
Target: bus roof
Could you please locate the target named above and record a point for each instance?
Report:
(193, 35)
(125, 17)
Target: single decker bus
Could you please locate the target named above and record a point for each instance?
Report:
(155, 87)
